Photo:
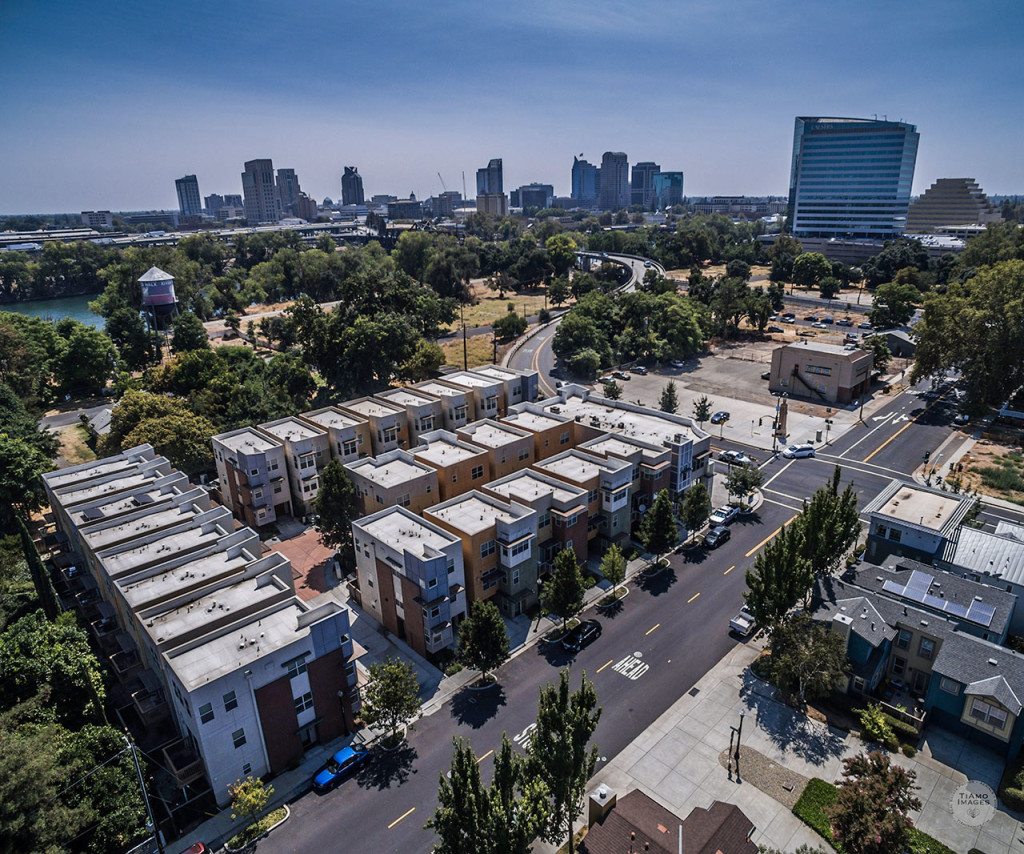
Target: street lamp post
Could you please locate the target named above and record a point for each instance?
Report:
(739, 737)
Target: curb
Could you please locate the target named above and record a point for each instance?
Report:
(287, 815)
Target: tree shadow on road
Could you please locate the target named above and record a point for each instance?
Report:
(657, 583)
(554, 653)
(475, 708)
(386, 768)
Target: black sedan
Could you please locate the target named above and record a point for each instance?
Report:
(583, 635)
(720, 417)
(716, 536)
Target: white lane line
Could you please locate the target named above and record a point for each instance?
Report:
(780, 471)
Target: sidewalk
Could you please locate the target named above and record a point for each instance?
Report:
(677, 761)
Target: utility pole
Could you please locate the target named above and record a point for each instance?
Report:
(465, 347)
(145, 797)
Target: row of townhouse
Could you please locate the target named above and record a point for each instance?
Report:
(202, 630)
(272, 470)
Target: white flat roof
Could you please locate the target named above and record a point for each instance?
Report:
(442, 389)
(374, 408)
(445, 453)
(56, 480)
(162, 549)
(162, 584)
(496, 372)
(389, 474)
(98, 490)
(407, 397)
(572, 467)
(493, 435)
(291, 429)
(471, 515)
(405, 533)
(920, 507)
(525, 486)
(122, 504)
(246, 441)
(822, 347)
(471, 380)
(533, 421)
(100, 539)
(332, 418)
(645, 426)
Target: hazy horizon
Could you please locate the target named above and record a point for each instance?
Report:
(105, 106)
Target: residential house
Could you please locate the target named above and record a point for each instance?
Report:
(519, 386)
(488, 392)
(460, 465)
(510, 448)
(552, 434)
(458, 402)
(994, 558)
(253, 475)
(393, 478)
(424, 412)
(909, 520)
(307, 451)
(350, 437)
(389, 424)
(651, 466)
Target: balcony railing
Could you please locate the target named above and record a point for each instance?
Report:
(183, 763)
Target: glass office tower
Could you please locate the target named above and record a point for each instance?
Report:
(851, 178)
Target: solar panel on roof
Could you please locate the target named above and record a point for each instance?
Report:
(92, 513)
(893, 587)
(956, 609)
(919, 582)
(981, 613)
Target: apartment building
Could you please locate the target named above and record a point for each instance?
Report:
(689, 446)
(411, 577)
(199, 627)
(651, 466)
(394, 478)
(549, 430)
(459, 403)
(913, 521)
(253, 475)
(510, 448)
(608, 483)
(389, 425)
(519, 386)
(499, 548)
(307, 451)
(348, 436)
(460, 465)
(424, 412)
(561, 510)
(488, 391)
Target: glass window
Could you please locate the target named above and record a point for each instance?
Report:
(487, 548)
(206, 712)
(238, 737)
(478, 472)
(895, 535)
(525, 452)
(296, 666)
(926, 649)
(304, 702)
(246, 769)
(899, 666)
(903, 639)
(451, 565)
(563, 439)
(230, 702)
(949, 686)
(544, 520)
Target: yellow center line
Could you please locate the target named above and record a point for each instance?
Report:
(403, 815)
(481, 759)
(770, 536)
(905, 426)
(651, 629)
(730, 569)
(603, 666)
(694, 596)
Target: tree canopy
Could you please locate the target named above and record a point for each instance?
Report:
(483, 638)
(562, 593)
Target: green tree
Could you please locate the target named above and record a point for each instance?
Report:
(249, 798)
(518, 803)
(189, 333)
(560, 753)
(831, 525)
(695, 508)
(743, 480)
(701, 410)
(613, 566)
(137, 345)
(233, 323)
(829, 287)
(893, 305)
(460, 820)
(21, 490)
(424, 363)
(659, 531)
(879, 349)
(561, 252)
(40, 577)
(509, 326)
(869, 815)
(585, 364)
(483, 639)
(808, 659)
(810, 268)
(669, 399)
(612, 390)
(391, 697)
(780, 578)
(562, 594)
(337, 505)
(558, 290)
(18, 423)
(87, 362)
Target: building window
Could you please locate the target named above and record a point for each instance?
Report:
(525, 453)
(858, 684)
(304, 702)
(380, 499)
(572, 520)
(238, 737)
(491, 402)
(230, 702)
(451, 565)
(390, 434)
(487, 548)
(350, 669)
(246, 769)
(988, 714)
(895, 535)
(515, 576)
(563, 439)
(460, 412)
(477, 473)
(544, 520)
(903, 639)
(455, 477)
(949, 686)
(435, 612)
(257, 493)
(206, 713)
(296, 666)
(899, 666)
(592, 496)
(277, 490)
(273, 465)
(881, 531)
(926, 649)
(254, 472)
(432, 584)
(490, 583)
(348, 447)
(405, 500)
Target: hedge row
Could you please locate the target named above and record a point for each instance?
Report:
(1011, 786)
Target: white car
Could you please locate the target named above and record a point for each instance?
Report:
(735, 458)
(794, 452)
(723, 515)
(742, 623)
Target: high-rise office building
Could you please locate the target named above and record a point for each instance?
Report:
(614, 193)
(232, 200)
(189, 201)
(352, 187)
(642, 184)
(586, 181)
(489, 178)
(262, 204)
(213, 203)
(535, 196)
(851, 178)
(288, 190)
(668, 189)
(951, 201)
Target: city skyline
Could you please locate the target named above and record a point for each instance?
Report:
(108, 106)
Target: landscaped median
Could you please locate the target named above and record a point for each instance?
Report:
(258, 829)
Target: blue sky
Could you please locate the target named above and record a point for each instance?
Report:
(103, 105)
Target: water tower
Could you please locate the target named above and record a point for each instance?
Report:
(158, 293)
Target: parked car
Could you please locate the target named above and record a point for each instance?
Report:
(196, 848)
(788, 314)
(737, 458)
(607, 378)
(865, 325)
(789, 320)
(675, 363)
(829, 320)
(774, 328)
(850, 338)
(812, 317)
(819, 325)
(794, 452)
(584, 634)
(723, 515)
(720, 417)
(845, 321)
(716, 536)
(620, 375)
(766, 375)
(339, 766)
(639, 369)
(961, 418)
(742, 623)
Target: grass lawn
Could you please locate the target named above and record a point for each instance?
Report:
(74, 445)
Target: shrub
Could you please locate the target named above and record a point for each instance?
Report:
(1011, 786)
(452, 668)
(901, 729)
(875, 727)
(922, 843)
(909, 751)
(810, 808)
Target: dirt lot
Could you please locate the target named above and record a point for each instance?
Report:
(487, 306)
(996, 470)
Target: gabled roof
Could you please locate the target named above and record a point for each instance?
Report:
(155, 274)
(997, 687)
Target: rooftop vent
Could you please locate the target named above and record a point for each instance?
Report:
(993, 662)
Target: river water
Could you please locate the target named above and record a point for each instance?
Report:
(76, 308)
